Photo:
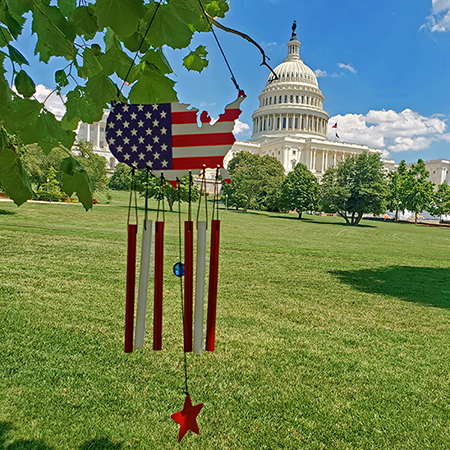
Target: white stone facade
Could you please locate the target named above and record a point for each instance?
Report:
(291, 124)
(439, 170)
(96, 134)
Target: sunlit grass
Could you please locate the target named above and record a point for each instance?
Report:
(328, 336)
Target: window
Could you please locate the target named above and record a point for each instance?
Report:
(284, 124)
(291, 99)
(285, 99)
(102, 144)
(279, 100)
(274, 100)
(296, 99)
(270, 100)
(290, 122)
(293, 164)
(303, 99)
(278, 123)
(296, 125)
(293, 152)
(102, 129)
(287, 75)
(307, 100)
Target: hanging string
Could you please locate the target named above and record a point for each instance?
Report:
(233, 79)
(190, 197)
(161, 199)
(203, 194)
(132, 189)
(139, 49)
(216, 196)
(186, 390)
(146, 199)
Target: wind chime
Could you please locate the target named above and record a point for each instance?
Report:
(165, 140)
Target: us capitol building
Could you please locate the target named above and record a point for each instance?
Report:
(291, 124)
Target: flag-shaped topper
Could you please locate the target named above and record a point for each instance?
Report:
(166, 138)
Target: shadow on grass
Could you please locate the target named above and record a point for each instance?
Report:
(37, 444)
(310, 219)
(4, 212)
(426, 285)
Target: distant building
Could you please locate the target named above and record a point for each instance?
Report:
(439, 170)
(96, 134)
(291, 124)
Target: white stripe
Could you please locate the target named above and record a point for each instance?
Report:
(191, 128)
(207, 150)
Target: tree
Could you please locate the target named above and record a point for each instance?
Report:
(95, 165)
(254, 177)
(93, 41)
(356, 187)
(397, 189)
(419, 190)
(441, 200)
(50, 190)
(300, 191)
(121, 178)
(160, 189)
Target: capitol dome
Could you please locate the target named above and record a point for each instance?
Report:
(291, 102)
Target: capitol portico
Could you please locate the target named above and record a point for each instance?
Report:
(291, 124)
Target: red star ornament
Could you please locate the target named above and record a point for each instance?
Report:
(187, 417)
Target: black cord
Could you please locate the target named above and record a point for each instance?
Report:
(186, 390)
(233, 79)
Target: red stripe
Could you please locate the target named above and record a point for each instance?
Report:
(213, 281)
(198, 140)
(188, 283)
(181, 117)
(229, 115)
(131, 280)
(197, 162)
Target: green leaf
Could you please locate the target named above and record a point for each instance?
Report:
(24, 84)
(14, 24)
(91, 64)
(120, 15)
(55, 34)
(217, 8)
(196, 60)
(5, 36)
(101, 89)
(115, 60)
(14, 180)
(20, 117)
(157, 58)
(152, 87)
(168, 27)
(133, 42)
(67, 6)
(84, 21)
(75, 179)
(61, 78)
(81, 106)
(18, 8)
(16, 56)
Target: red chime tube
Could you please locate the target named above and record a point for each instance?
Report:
(158, 291)
(188, 283)
(212, 290)
(131, 281)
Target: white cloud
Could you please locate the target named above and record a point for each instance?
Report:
(269, 44)
(241, 128)
(323, 73)
(389, 130)
(348, 67)
(439, 20)
(54, 103)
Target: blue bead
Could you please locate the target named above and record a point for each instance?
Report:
(178, 269)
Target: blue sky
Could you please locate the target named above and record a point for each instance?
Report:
(383, 67)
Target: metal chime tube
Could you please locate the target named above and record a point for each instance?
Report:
(188, 283)
(200, 287)
(131, 282)
(213, 281)
(158, 297)
(143, 284)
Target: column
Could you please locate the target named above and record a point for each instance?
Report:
(334, 158)
(323, 162)
(326, 160)
(88, 132)
(98, 134)
(314, 160)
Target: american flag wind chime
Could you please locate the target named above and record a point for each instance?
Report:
(166, 141)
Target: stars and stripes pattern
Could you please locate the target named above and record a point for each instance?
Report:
(166, 137)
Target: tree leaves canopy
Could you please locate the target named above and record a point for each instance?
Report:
(96, 41)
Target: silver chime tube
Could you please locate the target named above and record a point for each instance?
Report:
(143, 284)
(200, 287)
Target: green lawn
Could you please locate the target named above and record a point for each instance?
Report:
(328, 336)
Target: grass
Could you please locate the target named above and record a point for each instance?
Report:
(328, 336)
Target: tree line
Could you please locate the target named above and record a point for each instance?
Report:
(357, 186)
